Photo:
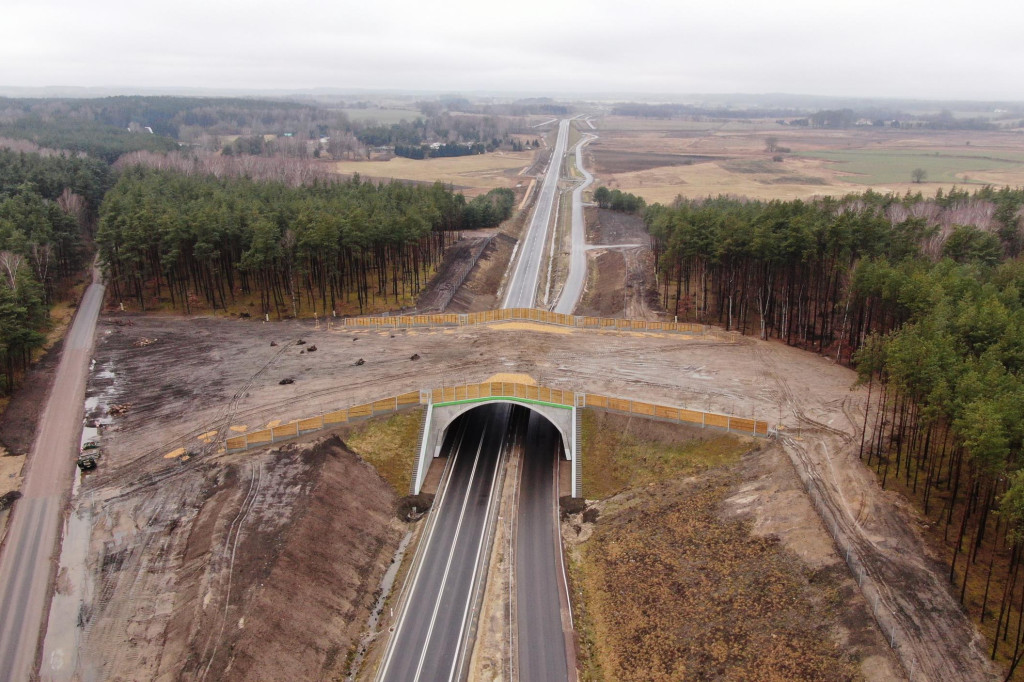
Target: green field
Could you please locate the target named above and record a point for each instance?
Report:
(890, 166)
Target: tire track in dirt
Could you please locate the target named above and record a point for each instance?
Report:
(130, 565)
(910, 600)
(231, 540)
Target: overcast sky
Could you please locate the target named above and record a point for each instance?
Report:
(934, 49)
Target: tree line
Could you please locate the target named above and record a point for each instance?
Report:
(617, 200)
(449, 149)
(47, 208)
(925, 297)
(186, 240)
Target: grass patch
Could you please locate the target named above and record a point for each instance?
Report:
(752, 166)
(668, 591)
(798, 180)
(871, 167)
(390, 445)
(620, 452)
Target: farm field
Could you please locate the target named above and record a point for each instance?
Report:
(662, 159)
(471, 175)
(383, 116)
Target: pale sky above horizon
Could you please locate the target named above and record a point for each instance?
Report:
(869, 48)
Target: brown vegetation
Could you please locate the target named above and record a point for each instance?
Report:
(660, 159)
(669, 586)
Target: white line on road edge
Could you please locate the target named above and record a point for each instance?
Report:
(421, 552)
(456, 659)
(558, 537)
(451, 555)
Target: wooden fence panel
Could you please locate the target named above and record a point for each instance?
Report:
(646, 409)
(262, 436)
(360, 411)
(692, 416)
(311, 424)
(386, 405)
(664, 412)
(336, 417)
(285, 431)
(618, 404)
(721, 420)
(741, 424)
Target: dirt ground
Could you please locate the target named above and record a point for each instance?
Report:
(660, 159)
(766, 541)
(217, 377)
(620, 268)
(223, 572)
(478, 292)
(459, 260)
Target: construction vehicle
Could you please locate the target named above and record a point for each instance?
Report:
(89, 454)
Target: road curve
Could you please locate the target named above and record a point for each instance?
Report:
(430, 638)
(27, 558)
(570, 295)
(522, 287)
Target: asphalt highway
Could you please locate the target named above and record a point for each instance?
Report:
(29, 551)
(522, 288)
(538, 560)
(430, 638)
(570, 295)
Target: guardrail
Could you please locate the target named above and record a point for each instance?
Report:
(535, 315)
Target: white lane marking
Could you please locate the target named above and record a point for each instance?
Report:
(419, 567)
(451, 556)
(558, 539)
(517, 296)
(479, 551)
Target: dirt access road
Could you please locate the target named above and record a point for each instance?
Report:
(26, 562)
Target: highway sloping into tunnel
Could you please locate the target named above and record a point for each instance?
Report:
(540, 640)
(430, 638)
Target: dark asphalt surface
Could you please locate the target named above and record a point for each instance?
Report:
(428, 642)
(522, 288)
(538, 561)
(29, 550)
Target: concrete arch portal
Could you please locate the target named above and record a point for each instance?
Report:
(440, 416)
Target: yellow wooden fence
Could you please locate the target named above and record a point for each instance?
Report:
(534, 315)
(496, 389)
